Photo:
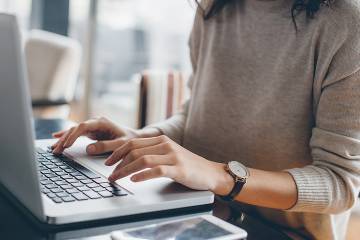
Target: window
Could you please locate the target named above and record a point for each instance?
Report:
(21, 8)
(129, 37)
(134, 35)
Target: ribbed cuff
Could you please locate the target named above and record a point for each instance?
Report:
(312, 184)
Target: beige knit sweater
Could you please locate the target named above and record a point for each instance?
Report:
(274, 100)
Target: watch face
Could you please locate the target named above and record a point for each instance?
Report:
(238, 169)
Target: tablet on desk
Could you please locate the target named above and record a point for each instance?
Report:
(199, 228)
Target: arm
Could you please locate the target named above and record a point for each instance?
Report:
(329, 185)
(174, 126)
(259, 186)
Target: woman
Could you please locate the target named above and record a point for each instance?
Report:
(275, 86)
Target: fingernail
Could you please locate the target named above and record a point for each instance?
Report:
(91, 149)
(110, 178)
(108, 162)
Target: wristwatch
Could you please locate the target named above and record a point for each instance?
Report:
(240, 173)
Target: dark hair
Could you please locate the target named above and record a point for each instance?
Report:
(309, 6)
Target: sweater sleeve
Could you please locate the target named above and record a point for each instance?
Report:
(173, 127)
(331, 184)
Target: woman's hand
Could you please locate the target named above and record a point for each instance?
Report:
(108, 136)
(161, 157)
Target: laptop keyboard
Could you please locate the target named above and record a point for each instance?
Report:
(64, 180)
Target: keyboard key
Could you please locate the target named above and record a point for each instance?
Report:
(67, 176)
(50, 165)
(80, 177)
(56, 160)
(72, 190)
(83, 188)
(76, 174)
(42, 168)
(51, 195)
(105, 194)
(45, 182)
(113, 186)
(98, 189)
(51, 185)
(62, 194)
(101, 180)
(61, 182)
(47, 171)
(57, 200)
(92, 185)
(50, 175)
(119, 193)
(68, 199)
(62, 173)
(70, 170)
(110, 189)
(67, 186)
(92, 194)
(80, 196)
(77, 184)
(42, 178)
(54, 179)
(44, 190)
(56, 190)
(58, 170)
(72, 180)
(106, 184)
(86, 181)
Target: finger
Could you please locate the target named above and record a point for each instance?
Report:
(104, 146)
(59, 145)
(160, 171)
(148, 161)
(159, 149)
(130, 145)
(59, 133)
(80, 130)
(55, 145)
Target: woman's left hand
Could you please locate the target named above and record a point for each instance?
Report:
(161, 157)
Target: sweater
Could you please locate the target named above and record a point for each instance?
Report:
(278, 99)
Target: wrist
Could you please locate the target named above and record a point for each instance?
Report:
(148, 132)
(224, 182)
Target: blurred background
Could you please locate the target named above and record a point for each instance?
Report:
(118, 40)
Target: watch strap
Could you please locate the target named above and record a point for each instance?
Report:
(235, 191)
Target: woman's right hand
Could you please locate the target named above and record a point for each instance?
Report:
(108, 136)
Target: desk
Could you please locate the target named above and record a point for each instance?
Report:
(14, 225)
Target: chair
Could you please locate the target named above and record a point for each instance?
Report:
(53, 63)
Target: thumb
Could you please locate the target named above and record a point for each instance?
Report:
(104, 146)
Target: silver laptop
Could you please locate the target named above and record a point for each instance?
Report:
(72, 187)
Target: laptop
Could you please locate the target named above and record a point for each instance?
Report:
(73, 187)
